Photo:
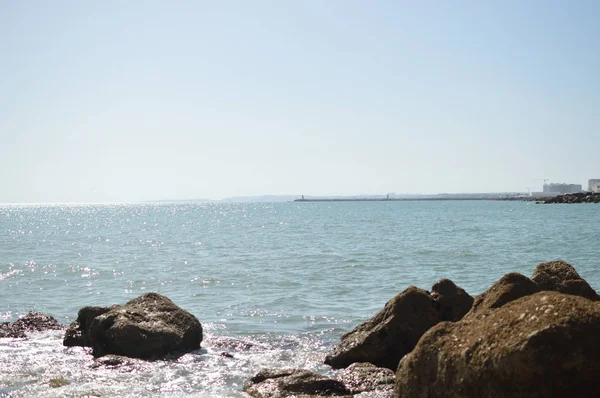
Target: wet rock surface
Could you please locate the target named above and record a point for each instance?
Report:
(562, 277)
(269, 383)
(541, 345)
(389, 335)
(32, 322)
(148, 327)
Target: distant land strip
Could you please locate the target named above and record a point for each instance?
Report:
(412, 199)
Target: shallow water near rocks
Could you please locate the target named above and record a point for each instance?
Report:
(273, 284)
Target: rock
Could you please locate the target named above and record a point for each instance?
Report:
(541, 345)
(58, 382)
(562, 277)
(389, 335)
(580, 197)
(452, 301)
(228, 343)
(121, 364)
(508, 288)
(365, 377)
(77, 333)
(148, 327)
(32, 322)
(111, 361)
(270, 383)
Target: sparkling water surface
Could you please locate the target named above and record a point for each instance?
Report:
(274, 284)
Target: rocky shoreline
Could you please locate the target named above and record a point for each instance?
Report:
(522, 337)
(581, 197)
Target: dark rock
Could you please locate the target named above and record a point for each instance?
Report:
(77, 333)
(365, 377)
(541, 345)
(508, 288)
(32, 322)
(226, 355)
(452, 301)
(561, 277)
(148, 327)
(580, 197)
(111, 361)
(389, 335)
(294, 383)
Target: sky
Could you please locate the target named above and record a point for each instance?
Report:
(112, 101)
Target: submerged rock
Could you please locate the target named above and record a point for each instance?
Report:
(269, 383)
(390, 334)
(543, 345)
(148, 327)
(452, 301)
(510, 287)
(32, 322)
(121, 364)
(562, 277)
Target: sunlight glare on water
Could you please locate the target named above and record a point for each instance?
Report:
(273, 284)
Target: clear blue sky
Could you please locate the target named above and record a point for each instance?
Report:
(131, 100)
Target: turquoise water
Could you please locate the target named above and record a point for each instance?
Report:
(276, 284)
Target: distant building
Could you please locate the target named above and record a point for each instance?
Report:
(594, 185)
(562, 188)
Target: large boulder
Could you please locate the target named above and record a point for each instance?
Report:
(389, 335)
(452, 301)
(32, 322)
(562, 277)
(296, 383)
(510, 287)
(541, 345)
(148, 327)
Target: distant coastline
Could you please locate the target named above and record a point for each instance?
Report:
(477, 196)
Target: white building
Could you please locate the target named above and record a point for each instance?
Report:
(594, 185)
(562, 188)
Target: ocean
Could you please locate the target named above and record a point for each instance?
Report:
(274, 284)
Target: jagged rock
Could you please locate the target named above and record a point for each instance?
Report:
(389, 335)
(452, 301)
(148, 327)
(77, 333)
(562, 277)
(32, 322)
(541, 345)
(508, 288)
(297, 383)
(365, 377)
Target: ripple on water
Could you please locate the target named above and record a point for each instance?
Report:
(288, 278)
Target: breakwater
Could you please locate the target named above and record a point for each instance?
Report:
(571, 198)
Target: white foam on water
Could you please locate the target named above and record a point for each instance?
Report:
(28, 366)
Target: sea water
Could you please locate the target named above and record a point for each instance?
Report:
(273, 284)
